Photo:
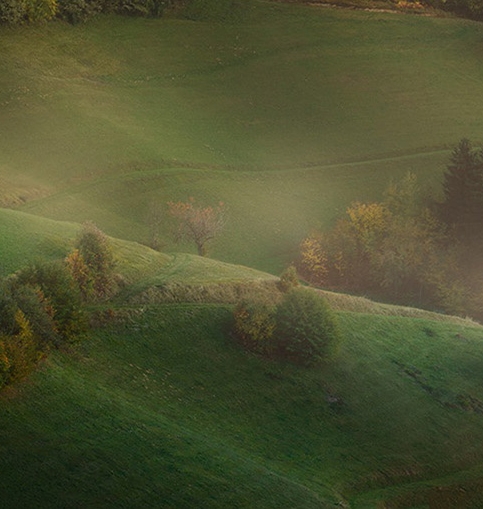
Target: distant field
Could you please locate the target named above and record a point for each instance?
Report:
(88, 109)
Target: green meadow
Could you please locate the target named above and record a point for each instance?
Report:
(286, 115)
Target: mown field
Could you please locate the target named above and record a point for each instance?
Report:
(99, 119)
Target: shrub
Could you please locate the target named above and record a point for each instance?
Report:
(39, 312)
(254, 326)
(93, 266)
(40, 10)
(77, 11)
(57, 294)
(12, 11)
(288, 279)
(18, 11)
(8, 307)
(19, 353)
(4, 364)
(306, 327)
(302, 328)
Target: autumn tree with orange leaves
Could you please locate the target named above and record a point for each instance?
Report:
(197, 223)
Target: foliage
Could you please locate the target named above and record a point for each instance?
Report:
(342, 257)
(288, 279)
(58, 297)
(313, 258)
(21, 351)
(31, 300)
(254, 326)
(80, 272)
(40, 10)
(92, 264)
(410, 249)
(215, 10)
(306, 329)
(301, 328)
(390, 249)
(369, 222)
(17, 11)
(462, 207)
(197, 223)
(77, 11)
(12, 11)
(8, 307)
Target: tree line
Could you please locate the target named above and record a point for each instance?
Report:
(472, 9)
(75, 11)
(409, 248)
(15, 12)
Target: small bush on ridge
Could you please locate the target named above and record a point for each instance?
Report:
(288, 279)
(306, 327)
(254, 326)
(302, 328)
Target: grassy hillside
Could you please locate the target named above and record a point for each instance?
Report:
(164, 411)
(100, 117)
(286, 117)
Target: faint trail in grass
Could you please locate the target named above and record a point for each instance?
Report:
(167, 167)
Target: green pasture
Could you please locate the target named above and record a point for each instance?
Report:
(291, 95)
(165, 411)
(268, 212)
(286, 115)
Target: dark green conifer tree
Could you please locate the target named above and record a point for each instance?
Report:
(462, 207)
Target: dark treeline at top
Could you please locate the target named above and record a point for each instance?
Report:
(76, 11)
(472, 9)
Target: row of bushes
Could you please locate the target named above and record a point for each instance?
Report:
(43, 306)
(76, 11)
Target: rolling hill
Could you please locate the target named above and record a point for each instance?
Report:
(286, 116)
(161, 408)
(324, 106)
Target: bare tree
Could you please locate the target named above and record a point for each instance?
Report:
(197, 223)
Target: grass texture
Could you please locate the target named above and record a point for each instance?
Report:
(165, 411)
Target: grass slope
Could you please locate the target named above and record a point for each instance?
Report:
(163, 411)
(85, 109)
(286, 117)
